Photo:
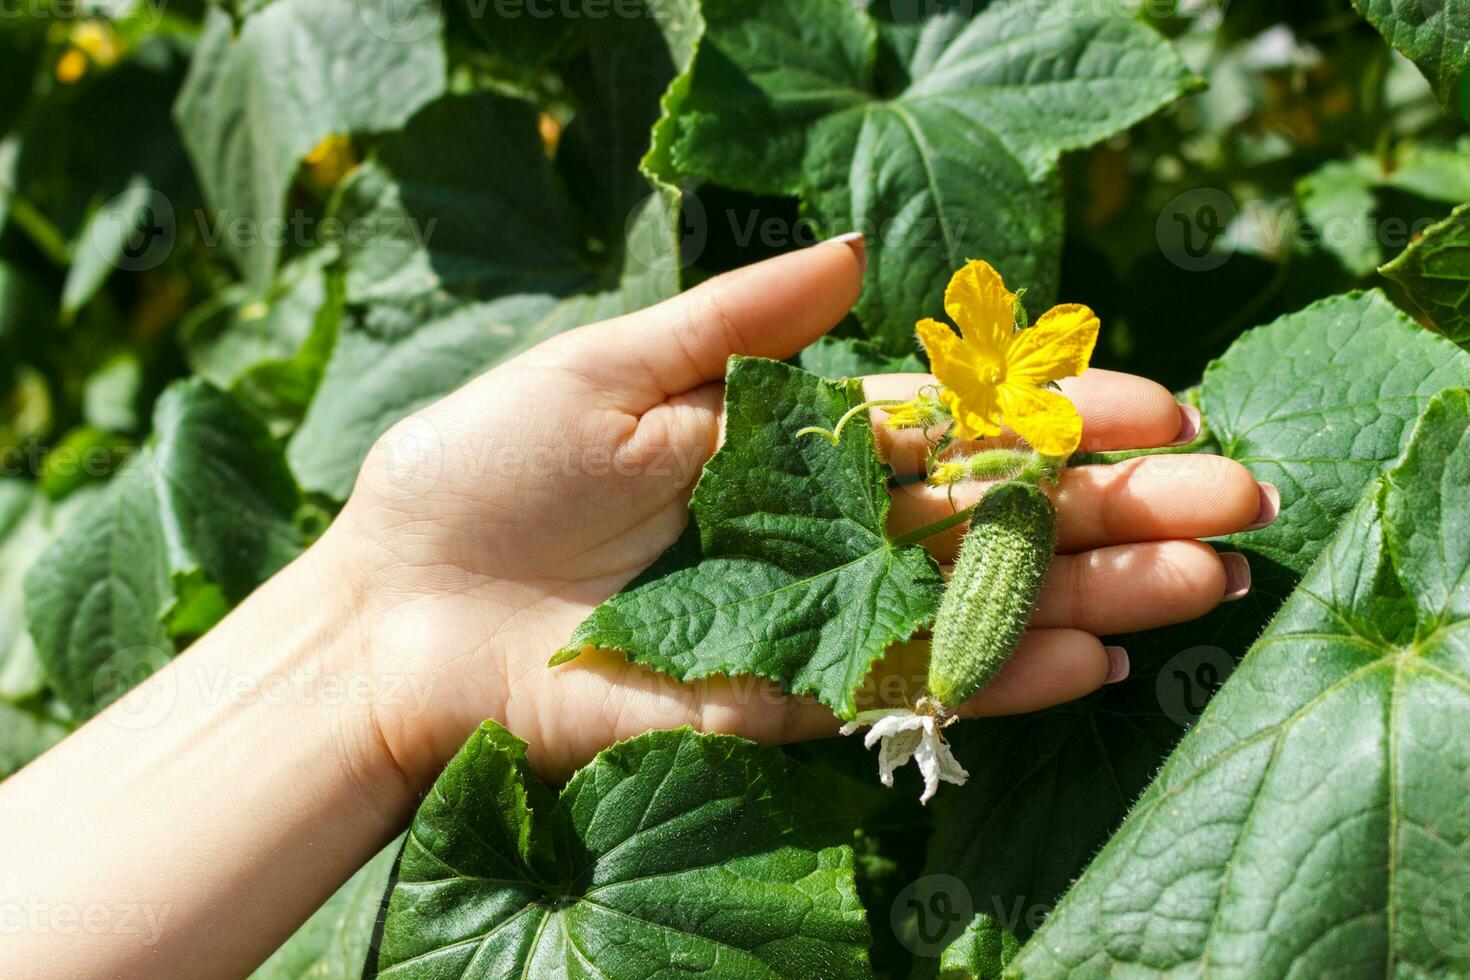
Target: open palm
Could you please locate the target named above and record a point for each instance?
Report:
(492, 522)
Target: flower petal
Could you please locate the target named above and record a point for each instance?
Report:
(895, 751)
(1059, 345)
(967, 393)
(1045, 419)
(977, 299)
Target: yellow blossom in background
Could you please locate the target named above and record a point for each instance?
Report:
(330, 160)
(92, 42)
(550, 129)
(994, 374)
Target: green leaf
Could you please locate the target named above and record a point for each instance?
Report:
(845, 357)
(480, 252)
(205, 509)
(25, 734)
(118, 149)
(670, 853)
(1435, 272)
(258, 100)
(1339, 202)
(334, 942)
(1365, 208)
(1312, 824)
(1318, 403)
(976, 130)
(786, 570)
(271, 352)
(28, 524)
(1434, 34)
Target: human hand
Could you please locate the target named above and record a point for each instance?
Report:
(484, 528)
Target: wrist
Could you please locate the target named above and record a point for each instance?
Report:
(314, 663)
(426, 653)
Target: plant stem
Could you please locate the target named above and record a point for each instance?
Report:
(835, 435)
(938, 527)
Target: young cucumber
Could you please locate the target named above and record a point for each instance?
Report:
(993, 592)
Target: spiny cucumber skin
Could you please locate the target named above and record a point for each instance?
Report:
(992, 594)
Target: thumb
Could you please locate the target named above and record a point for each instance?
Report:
(772, 309)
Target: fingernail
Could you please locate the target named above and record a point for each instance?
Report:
(1270, 506)
(855, 241)
(1237, 576)
(1118, 665)
(1188, 426)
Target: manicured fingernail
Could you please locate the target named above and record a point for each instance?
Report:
(1270, 506)
(855, 241)
(1118, 665)
(1188, 426)
(1237, 576)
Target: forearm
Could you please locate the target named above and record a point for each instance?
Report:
(187, 830)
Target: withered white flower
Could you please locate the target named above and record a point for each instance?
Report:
(918, 733)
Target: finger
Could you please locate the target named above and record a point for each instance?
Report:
(770, 309)
(1119, 411)
(1049, 667)
(1138, 587)
(1153, 498)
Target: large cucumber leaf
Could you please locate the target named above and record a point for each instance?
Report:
(1318, 403)
(199, 518)
(1435, 272)
(259, 97)
(1434, 34)
(1321, 402)
(786, 570)
(670, 853)
(958, 161)
(1313, 824)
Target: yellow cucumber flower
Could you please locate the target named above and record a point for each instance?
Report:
(993, 373)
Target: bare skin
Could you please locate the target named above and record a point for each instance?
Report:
(214, 815)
